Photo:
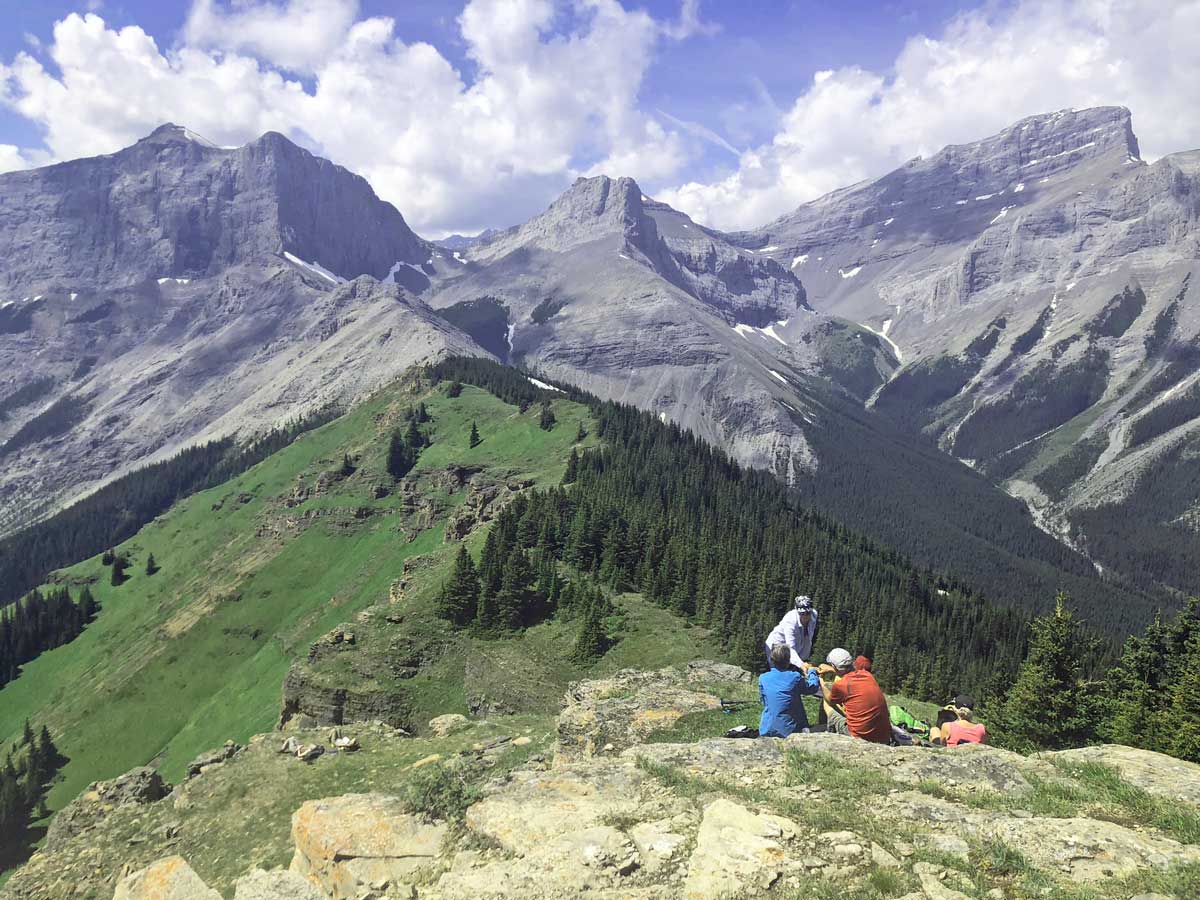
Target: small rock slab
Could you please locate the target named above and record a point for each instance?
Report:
(345, 844)
(168, 879)
(1155, 773)
(443, 726)
(738, 853)
(278, 884)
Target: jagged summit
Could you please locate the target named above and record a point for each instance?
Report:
(169, 132)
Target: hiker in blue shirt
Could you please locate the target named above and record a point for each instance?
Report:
(781, 691)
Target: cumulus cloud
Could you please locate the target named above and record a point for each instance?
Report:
(546, 102)
(986, 70)
(297, 35)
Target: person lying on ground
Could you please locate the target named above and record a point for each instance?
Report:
(781, 691)
(956, 724)
(797, 630)
(856, 705)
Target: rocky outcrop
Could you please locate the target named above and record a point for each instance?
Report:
(360, 843)
(168, 879)
(609, 715)
(280, 884)
(134, 788)
(211, 758)
(1162, 776)
(309, 701)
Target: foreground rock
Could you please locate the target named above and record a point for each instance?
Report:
(134, 788)
(348, 845)
(168, 879)
(1154, 773)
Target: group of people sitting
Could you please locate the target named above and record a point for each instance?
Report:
(852, 702)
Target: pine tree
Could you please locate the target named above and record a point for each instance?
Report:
(1184, 710)
(460, 595)
(455, 388)
(413, 437)
(592, 642)
(87, 605)
(515, 595)
(151, 565)
(581, 434)
(1049, 705)
(474, 440)
(108, 557)
(27, 735)
(546, 420)
(422, 413)
(119, 565)
(347, 467)
(401, 455)
(572, 472)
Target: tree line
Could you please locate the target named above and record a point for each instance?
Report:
(29, 768)
(657, 510)
(39, 622)
(116, 512)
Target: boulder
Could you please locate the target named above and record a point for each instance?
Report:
(611, 714)
(213, 758)
(136, 787)
(344, 845)
(278, 884)
(443, 726)
(168, 879)
(1155, 773)
(740, 853)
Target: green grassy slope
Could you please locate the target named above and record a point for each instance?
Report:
(182, 660)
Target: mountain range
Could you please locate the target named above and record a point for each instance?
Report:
(984, 359)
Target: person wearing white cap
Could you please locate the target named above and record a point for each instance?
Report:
(855, 704)
(797, 630)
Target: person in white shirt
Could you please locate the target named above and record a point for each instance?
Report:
(797, 630)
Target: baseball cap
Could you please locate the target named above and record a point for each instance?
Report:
(840, 659)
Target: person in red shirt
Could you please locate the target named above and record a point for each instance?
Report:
(961, 729)
(857, 704)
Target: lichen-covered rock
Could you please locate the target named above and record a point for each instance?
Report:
(346, 844)
(168, 879)
(138, 786)
(212, 758)
(740, 853)
(443, 726)
(278, 884)
(611, 714)
(1155, 773)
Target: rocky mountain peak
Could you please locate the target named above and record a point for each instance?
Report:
(591, 209)
(170, 133)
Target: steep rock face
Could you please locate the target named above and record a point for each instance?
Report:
(1034, 284)
(175, 292)
(173, 205)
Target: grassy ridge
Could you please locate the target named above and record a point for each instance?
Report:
(180, 661)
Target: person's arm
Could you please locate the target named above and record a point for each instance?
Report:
(835, 693)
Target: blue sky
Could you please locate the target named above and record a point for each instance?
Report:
(475, 114)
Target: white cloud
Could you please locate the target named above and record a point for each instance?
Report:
(987, 70)
(297, 35)
(543, 107)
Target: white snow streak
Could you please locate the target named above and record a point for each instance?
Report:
(767, 249)
(800, 260)
(883, 334)
(544, 386)
(1020, 187)
(318, 269)
(1000, 215)
(849, 273)
(73, 296)
(985, 196)
(888, 222)
(777, 375)
(164, 281)
(1034, 162)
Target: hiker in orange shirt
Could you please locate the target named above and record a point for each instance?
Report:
(854, 702)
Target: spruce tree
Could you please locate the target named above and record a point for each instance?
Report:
(422, 415)
(514, 598)
(27, 735)
(580, 433)
(460, 595)
(455, 388)
(1183, 713)
(546, 420)
(87, 605)
(120, 564)
(401, 456)
(347, 467)
(592, 641)
(474, 440)
(572, 468)
(151, 565)
(1049, 705)
(413, 437)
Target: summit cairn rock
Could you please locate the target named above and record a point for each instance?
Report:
(168, 879)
